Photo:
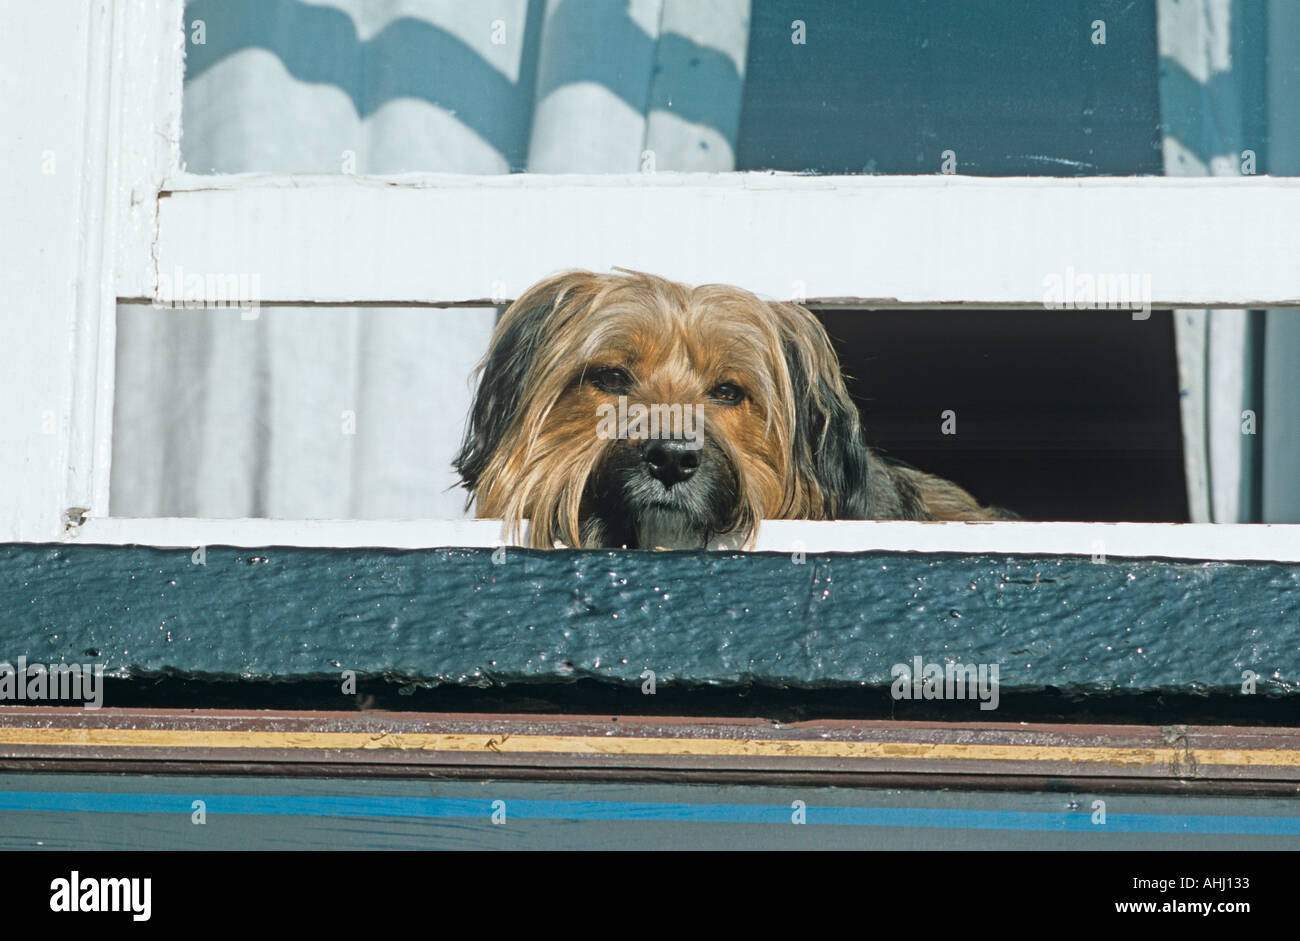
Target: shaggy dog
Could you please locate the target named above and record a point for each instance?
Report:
(625, 410)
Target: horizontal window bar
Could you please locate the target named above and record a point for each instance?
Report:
(932, 241)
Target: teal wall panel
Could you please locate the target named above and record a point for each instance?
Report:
(440, 618)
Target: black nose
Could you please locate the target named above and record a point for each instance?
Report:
(671, 460)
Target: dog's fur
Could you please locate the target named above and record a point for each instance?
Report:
(790, 448)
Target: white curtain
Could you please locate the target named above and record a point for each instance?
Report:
(325, 412)
(1229, 96)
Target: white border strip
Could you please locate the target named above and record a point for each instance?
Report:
(1195, 541)
(929, 241)
(758, 180)
(91, 343)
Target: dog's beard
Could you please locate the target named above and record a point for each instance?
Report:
(630, 508)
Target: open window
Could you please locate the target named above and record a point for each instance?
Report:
(355, 196)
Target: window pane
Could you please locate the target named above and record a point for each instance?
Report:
(296, 412)
(984, 87)
(330, 412)
(1001, 89)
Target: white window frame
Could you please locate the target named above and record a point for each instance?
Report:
(452, 240)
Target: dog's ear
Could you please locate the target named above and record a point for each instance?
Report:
(830, 456)
(504, 373)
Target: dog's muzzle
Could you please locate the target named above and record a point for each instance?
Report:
(661, 493)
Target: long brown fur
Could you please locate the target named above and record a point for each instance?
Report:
(793, 447)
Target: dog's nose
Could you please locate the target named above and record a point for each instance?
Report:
(671, 460)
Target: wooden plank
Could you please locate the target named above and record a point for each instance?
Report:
(83, 166)
(934, 241)
(53, 97)
(1046, 633)
(1207, 541)
(132, 144)
(148, 71)
(752, 747)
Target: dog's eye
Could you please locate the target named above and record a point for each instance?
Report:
(728, 393)
(610, 379)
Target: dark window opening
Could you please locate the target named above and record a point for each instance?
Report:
(1059, 415)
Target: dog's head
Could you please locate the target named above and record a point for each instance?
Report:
(627, 410)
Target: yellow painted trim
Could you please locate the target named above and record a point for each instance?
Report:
(632, 746)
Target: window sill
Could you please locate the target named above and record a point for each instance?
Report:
(1223, 542)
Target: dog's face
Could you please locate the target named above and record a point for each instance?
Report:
(627, 410)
